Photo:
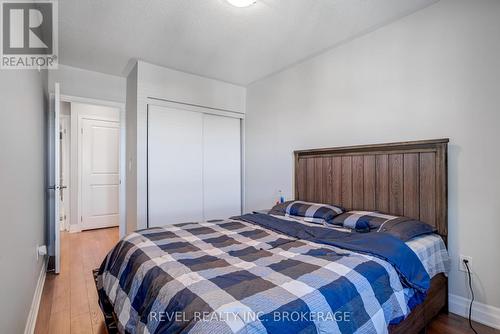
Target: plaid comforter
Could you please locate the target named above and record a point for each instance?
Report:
(236, 277)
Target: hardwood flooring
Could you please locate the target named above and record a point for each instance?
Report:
(451, 323)
(69, 300)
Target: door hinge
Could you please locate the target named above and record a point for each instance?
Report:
(60, 135)
(81, 219)
(82, 130)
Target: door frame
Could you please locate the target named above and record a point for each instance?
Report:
(121, 107)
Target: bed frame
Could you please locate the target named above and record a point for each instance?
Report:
(406, 178)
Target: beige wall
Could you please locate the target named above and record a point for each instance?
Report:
(433, 74)
(22, 193)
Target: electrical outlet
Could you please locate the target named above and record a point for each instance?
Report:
(461, 264)
(41, 251)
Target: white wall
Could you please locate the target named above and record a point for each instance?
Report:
(147, 81)
(82, 83)
(22, 193)
(172, 85)
(433, 74)
(131, 151)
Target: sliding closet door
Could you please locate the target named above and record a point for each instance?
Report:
(175, 162)
(221, 167)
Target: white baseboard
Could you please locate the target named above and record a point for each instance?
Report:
(74, 228)
(35, 304)
(482, 313)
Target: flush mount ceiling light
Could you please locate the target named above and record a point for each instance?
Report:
(241, 3)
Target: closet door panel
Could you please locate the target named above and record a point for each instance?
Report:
(221, 167)
(175, 162)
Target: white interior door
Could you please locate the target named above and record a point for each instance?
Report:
(221, 167)
(53, 181)
(64, 171)
(175, 177)
(100, 173)
(55, 178)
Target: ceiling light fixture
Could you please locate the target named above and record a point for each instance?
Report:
(241, 3)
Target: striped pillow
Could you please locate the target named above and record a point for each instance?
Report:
(312, 212)
(360, 219)
(403, 228)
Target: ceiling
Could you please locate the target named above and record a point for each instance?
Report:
(212, 38)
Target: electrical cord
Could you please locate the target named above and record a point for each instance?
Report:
(466, 263)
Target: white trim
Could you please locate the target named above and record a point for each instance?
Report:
(85, 100)
(242, 168)
(482, 313)
(74, 228)
(37, 297)
(191, 107)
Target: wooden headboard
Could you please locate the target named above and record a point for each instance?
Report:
(406, 178)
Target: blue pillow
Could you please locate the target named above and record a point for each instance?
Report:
(406, 228)
(362, 227)
(401, 227)
(352, 218)
(310, 212)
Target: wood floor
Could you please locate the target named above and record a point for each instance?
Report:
(69, 300)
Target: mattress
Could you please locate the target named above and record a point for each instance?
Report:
(432, 252)
(235, 268)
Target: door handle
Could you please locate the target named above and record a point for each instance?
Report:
(58, 187)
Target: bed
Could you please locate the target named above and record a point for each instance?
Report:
(260, 273)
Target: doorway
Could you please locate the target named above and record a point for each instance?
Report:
(89, 166)
(86, 168)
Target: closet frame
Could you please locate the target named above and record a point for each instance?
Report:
(165, 103)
